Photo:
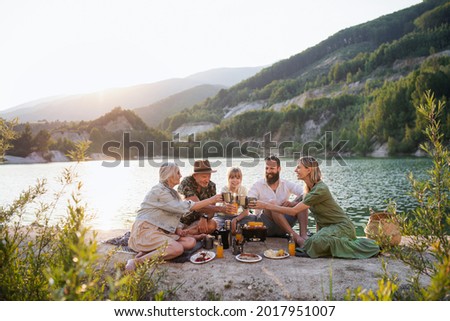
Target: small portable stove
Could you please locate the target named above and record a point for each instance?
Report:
(250, 233)
(254, 232)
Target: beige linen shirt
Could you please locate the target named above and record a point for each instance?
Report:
(163, 209)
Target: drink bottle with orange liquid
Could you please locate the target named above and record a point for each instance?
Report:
(291, 245)
(239, 236)
(219, 248)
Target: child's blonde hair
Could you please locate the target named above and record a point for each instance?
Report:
(234, 171)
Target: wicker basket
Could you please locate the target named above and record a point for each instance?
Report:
(383, 228)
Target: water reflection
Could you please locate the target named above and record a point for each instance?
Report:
(113, 195)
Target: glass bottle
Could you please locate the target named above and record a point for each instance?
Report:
(239, 237)
(236, 247)
(219, 248)
(227, 235)
(291, 245)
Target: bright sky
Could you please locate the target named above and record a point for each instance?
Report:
(52, 47)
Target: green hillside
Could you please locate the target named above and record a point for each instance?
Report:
(126, 131)
(361, 83)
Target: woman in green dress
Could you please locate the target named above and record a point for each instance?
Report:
(336, 235)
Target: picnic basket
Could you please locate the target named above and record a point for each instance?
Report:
(384, 228)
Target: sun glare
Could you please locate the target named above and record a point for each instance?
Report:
(103, 191)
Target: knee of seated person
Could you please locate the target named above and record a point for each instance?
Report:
(212, 225)
(190, 243)
(177, 249)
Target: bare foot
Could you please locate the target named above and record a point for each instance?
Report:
(304, 237)
(130, 266)
(140, 254)
(299, 240)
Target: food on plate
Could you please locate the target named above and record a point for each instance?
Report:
(248, 256)
(275, 253)
(202, 257)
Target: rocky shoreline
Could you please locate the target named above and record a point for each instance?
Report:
(57, 156)
(52, 156)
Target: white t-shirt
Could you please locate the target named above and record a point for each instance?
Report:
(241, 190)
(262, 191)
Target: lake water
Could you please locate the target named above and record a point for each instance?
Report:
(113, 194)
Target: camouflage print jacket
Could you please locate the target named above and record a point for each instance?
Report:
(188, 188)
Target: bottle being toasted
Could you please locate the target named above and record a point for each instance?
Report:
(219, 248)
(291, 245)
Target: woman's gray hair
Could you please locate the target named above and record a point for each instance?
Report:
(166, 171)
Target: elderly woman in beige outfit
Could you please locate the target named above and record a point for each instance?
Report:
(157, 224)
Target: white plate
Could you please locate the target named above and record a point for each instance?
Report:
(268, 254)
(208, 254)
(242, 258)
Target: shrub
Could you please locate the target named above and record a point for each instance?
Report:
(427, 252)
(428, 225)
(42, 261)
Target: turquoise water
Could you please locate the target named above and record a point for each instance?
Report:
(371, 183)
(114, 194)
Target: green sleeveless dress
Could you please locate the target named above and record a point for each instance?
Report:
(336, 235)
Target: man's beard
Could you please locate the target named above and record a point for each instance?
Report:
(273, 179)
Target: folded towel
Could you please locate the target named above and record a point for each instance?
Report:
(300, 252)
(120, 240)
(187, 254)
(126, 249)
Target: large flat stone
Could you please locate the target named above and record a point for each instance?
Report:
(293, 278)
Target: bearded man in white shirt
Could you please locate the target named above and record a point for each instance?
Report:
(274, 189)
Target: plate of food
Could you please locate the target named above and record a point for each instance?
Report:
(202, 257)
(276, 254)
(248, 257)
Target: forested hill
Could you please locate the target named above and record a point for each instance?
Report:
(362, 83)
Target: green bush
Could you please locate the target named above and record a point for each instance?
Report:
(427, 251)
(428, 225)
(43, 261)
